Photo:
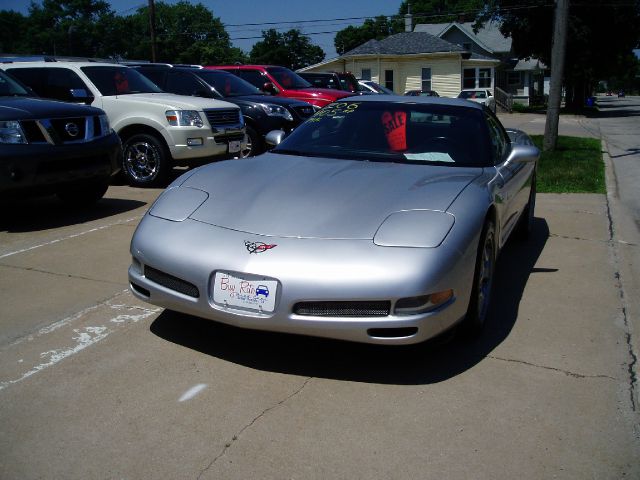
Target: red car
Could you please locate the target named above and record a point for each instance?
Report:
(283, 82)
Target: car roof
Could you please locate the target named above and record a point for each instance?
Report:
(455, 102)
(61, 64)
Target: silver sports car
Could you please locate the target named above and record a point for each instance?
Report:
(378, 220)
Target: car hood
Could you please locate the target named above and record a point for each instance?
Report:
(284, 101)
(28, 108)
(171, 101)
(292, 196)
(329, 94)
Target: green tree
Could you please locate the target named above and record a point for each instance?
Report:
(600, 38)
(423, 11)
(12, 28)
(290, 49)
(185, 33)
(352, 37)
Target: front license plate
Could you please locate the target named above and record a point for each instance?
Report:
(235, 146)
(257, 295)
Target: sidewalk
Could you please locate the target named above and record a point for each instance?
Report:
(569, 125)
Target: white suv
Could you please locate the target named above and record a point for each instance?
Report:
(158, 130)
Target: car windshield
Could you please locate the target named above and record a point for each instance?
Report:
(473, 94)
(348, 82)
(10, 88)
(414, 133)
(227, 84)
(380, 89)
(114, 80)
(288, 79)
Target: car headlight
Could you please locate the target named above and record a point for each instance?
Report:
(423, 303)
(11, 132)
(414, 228)
(105, 128)
(276, 111)
(184, 118)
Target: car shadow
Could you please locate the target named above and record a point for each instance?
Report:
(430, 362)
(42, 213)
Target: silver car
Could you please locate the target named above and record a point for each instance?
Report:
(378, 220)
(482, 96)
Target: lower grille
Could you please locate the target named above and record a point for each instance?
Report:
(342, 309)
(230, 138)
(171, 282)
(72, 165)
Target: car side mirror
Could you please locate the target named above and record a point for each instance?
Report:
(81, 95)
(523, 154)
(270, 88)
(274, 137)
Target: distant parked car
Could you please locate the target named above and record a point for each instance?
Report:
(479, 95)
(422, 93)
(335, 80)
(262, 113)
(281, 81)
(53, 147)
(158, 130)
(375, 87)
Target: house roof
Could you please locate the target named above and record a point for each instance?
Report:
(406, 43)
(489, 37)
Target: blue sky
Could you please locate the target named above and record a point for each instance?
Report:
(241, 12)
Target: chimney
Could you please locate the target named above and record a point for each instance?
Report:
(408, 20)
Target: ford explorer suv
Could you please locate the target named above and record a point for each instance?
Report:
(158, 130)
(283, 82)
(49, 147)
(262, 113)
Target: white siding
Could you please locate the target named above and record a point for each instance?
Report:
(445, 75)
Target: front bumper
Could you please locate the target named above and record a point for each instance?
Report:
(214, 141)
(42, 168)
(307, 270)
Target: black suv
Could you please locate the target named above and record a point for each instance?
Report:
(262, 113)
(53, 147)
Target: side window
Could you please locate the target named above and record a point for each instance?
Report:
(182, 83)
(32, 77)
(65, 84)
(156, 76)
(254, 77)
(499, 140)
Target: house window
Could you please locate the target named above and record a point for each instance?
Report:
(366, 74)
(484, 78)
(514, 78)
(476, 78)
(426, 79)
(388, 79)
(469, 78)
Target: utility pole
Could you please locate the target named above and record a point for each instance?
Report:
(152, 28)
(558, 50)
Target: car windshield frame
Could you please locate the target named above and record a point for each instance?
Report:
(10, 87)
(397, 132)
(238, 86)
(115, 80)
(281, 73)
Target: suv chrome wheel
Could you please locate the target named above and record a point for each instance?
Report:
(144, 160)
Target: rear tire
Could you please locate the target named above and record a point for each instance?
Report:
(482, 282)
(525, 223)
(145, 161)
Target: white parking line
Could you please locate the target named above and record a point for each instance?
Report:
(75, 235)
(69, 339)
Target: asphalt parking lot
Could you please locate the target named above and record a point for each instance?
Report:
(96, 384)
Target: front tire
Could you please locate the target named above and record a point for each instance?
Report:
(482, 282)
(255, 145)
(145, 161)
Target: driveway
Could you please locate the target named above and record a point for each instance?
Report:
(95, 384)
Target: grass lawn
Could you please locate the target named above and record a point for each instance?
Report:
(576, 166)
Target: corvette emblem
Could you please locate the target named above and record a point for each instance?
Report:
(258, 247)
